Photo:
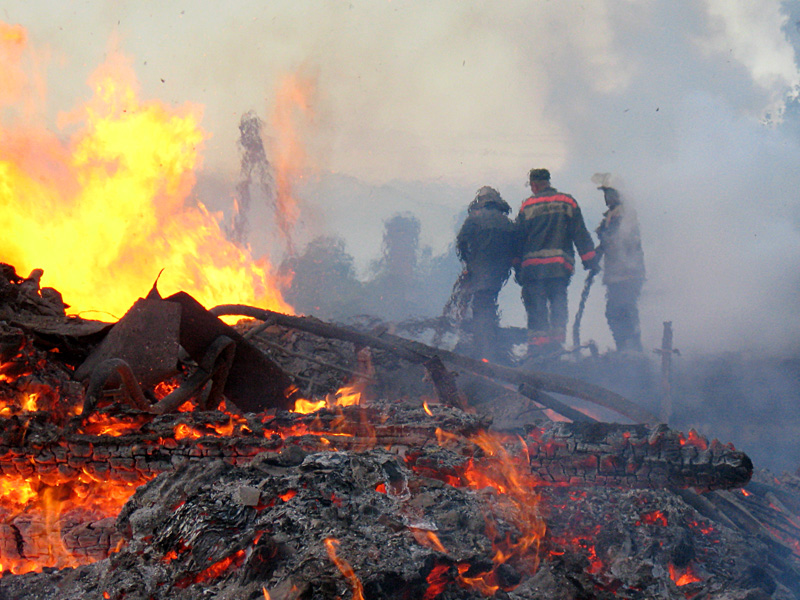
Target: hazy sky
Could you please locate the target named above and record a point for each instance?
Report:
(669, 95)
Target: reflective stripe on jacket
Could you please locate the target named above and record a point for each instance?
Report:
(549, 224)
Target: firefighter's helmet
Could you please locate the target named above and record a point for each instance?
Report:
(488, 197)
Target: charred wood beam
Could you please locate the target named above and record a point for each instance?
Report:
(309, 358)
(594, 454)
(548, 401)
(445, 383)
(419, 353)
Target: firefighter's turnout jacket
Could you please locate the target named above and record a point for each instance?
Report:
(486, 245)
(621, 245)
(548, 225)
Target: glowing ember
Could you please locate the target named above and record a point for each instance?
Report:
(215, 570)
(696, 440)
(183, 431)
(112, 202)
(288, 495)
(683, 576)
(437, 581)
(654, 518)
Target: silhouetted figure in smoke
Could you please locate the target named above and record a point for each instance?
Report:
(549, 224)
(623, 267)
(321, 280)
(394, 287)
(485, 244)
(255, 171)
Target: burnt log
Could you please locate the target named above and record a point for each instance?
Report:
(594, 454)
(416, 352)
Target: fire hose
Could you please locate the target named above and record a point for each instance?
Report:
(576, 326)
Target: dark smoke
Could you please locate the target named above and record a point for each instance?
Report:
(255, 176)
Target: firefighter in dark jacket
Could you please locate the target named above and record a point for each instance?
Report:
(623, 269)
(549, 224)
(485, 244)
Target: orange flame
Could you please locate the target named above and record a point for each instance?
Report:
(293, 100)
(683, 576)
(184, 431)
(306, 407)
(428, 539)
(437, 581)
(344, 567)
(111, 203)
(510, 476)
(348, 395)
(483, 582)
(47, 510)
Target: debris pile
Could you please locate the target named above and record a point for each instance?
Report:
(149, 464)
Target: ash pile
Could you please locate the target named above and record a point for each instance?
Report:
(419, 490)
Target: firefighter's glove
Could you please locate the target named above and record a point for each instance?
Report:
(593, 264)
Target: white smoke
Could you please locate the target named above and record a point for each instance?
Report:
(670, 96)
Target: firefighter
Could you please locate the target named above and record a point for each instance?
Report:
(623, 269)
(485, 244)
(549, 224)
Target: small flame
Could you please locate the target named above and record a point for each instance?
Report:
(428, 539)
(305, 407)
(481, 582)
(347, 395)
(29, 403)
(683, 576)
(437, 581)
(184, 431)
(426, 408)
(331, 544)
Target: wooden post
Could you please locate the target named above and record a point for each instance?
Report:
(666, 373)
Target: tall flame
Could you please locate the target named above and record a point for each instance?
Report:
(104, 209)
(292, 105)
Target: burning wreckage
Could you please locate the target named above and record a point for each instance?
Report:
(170, 455)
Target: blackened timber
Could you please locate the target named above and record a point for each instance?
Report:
(417, 352)
(548, 401)
(589, 454)
(254, 381)
(445, 383)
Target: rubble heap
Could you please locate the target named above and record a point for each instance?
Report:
(176, 477)
(372, 524)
